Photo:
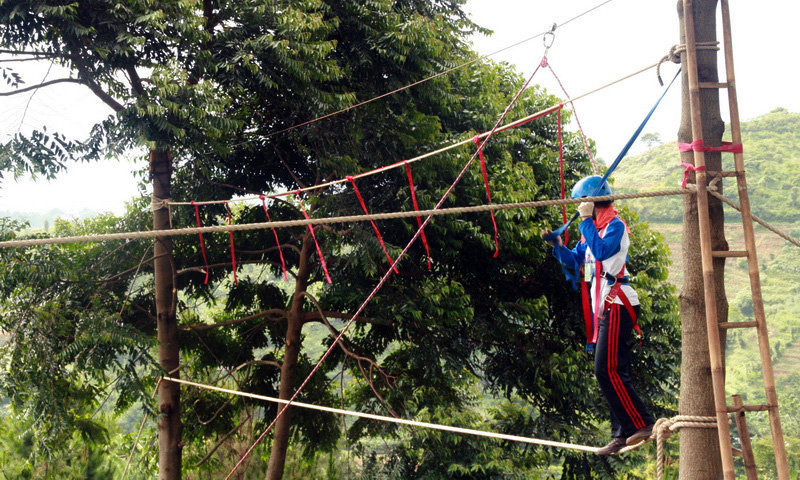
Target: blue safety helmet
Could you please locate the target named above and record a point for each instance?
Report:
(588, 187)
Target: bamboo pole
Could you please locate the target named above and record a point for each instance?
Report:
(714, 347)
(744, 437)
(752, 259)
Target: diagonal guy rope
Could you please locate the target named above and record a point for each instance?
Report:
(331, 220)
(763, 223)
(389, 272)
(401, 421)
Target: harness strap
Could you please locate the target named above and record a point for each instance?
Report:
(587, 311)
(590, 319)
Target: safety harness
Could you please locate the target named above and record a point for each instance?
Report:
(603, 305)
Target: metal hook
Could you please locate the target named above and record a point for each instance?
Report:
(550, 37)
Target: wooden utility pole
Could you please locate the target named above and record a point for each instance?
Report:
(700, 453)
(169, 407)
(703, 221)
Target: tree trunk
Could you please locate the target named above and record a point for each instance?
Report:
(280, 441)
(699, 457)
(169, 421)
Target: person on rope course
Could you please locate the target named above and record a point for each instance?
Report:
(610, 311)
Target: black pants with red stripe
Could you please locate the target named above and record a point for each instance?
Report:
(612, 367)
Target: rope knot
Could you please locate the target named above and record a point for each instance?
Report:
(161, 203)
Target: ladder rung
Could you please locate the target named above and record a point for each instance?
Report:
(729, 253)
(714, 173)
(748, 408)
(737, 452)
(728, 325)
(713, 85)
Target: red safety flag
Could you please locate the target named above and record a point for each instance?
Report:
(202, 241)
(374, 227)
(314, 236)
(233, 248)
(416, 209)
(277, 242)
(477, 141)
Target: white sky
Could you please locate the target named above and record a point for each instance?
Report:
(618, 38)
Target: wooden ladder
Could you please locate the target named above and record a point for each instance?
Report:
(707, 255)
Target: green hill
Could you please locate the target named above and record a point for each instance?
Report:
(772, 159)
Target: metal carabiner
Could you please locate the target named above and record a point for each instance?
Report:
(549, 37)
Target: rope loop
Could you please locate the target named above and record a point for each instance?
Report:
(674, 54)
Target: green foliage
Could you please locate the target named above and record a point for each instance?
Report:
(77, 457)
(68, 334)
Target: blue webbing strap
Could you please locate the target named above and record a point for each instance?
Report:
(560, 230)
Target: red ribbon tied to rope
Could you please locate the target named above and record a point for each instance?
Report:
(688, 167)
(374, 227)
(416, 209)
(233, 248)
(277, 242)
(202, 242)
(299, 192)
(477, 141)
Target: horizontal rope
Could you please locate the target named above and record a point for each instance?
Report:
(763, 223)
(331, 220)
(461, 143)
(401, 421)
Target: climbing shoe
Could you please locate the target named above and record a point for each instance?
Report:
(616, 445)
(640, 436)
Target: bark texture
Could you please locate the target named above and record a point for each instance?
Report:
(699, 448)
(169, 421)
(280, 441)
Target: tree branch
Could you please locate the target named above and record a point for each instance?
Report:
(105, 97)
(41, 85)
(359, 359)
(273, 314)
(35, 53)
(267, 250)
(10, 60)
(317, 316)
(222, 441)
(202, 268)
(136, 81)
(286, 165)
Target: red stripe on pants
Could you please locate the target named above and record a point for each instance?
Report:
(619, 387)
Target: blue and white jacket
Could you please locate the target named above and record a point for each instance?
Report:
(609, 246)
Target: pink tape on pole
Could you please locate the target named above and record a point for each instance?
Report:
(277, 242)
(477, 141)
(314, 236)
(416, 209)
(202, 242)
(233, 248)
(700, 146)
(374, 227)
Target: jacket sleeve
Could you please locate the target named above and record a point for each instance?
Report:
(572, 258)
(607, 246)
